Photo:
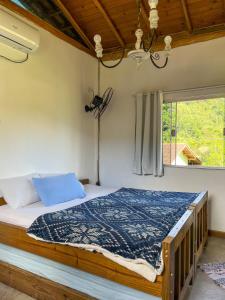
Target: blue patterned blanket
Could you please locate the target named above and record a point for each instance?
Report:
(130, 223)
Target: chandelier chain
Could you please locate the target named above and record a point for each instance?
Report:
(139, 13)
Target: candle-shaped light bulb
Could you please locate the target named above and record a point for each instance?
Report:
(153, 14)
(139, 35)
(97, 38)
(153, 3)
(98, 45)
(168, 41)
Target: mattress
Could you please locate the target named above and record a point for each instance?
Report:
(25, 216)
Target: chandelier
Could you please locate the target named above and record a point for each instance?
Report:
(144, 48)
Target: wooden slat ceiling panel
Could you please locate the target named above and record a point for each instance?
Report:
(91, 20)
(188, 21)
(171, 16)
(210, 13)
(48, 11)
(124, 15)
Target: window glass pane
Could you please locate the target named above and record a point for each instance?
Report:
(199, 139)
(169, 133)
(166, 122)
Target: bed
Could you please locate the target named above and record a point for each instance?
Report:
(181, 248)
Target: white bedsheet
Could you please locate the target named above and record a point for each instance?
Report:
(25, 216)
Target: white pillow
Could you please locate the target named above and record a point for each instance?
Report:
(43, 175)
(19, 191)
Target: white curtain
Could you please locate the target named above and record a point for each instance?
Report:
(148, 158)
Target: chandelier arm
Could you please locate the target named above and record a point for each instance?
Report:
(156, 65)
(115, 65)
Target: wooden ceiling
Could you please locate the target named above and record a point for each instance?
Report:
(188, 21)
(116, 20)
(49, 12)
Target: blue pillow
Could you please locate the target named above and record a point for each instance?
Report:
(58, 189)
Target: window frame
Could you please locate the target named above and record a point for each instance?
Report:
(199, 94)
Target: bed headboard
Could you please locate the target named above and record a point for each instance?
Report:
(83, 181)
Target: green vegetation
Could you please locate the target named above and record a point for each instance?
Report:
(200, 125)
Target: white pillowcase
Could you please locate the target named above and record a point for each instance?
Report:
(19, 191)
(43, 175)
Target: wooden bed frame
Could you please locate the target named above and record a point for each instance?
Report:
(181, 251)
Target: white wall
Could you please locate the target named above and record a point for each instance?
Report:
(43, 126)
(192, 66)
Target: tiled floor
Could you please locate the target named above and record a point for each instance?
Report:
(203, 288)
(7, 293)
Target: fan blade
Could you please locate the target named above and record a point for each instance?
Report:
(107, 96)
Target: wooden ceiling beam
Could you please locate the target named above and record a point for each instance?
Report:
(66, 28)
(55, 13)
(187, 16)
(112, 26)
(74, 23)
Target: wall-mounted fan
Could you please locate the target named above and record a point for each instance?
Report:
(99, 104)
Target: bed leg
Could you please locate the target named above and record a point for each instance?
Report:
(169, 271)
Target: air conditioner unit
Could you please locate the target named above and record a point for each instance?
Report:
(18, 34)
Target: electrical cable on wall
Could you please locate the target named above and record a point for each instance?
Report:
(98, 106)
(99, 127)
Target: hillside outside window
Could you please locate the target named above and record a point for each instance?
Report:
(194, 133)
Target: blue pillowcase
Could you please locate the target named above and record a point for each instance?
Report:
(58, 189)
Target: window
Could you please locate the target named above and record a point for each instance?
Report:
(194, 133)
